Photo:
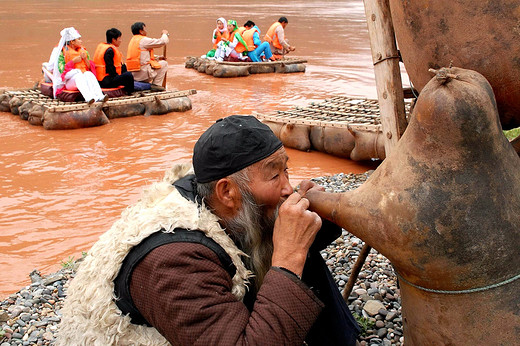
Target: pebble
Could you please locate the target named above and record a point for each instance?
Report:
(372, 307)
(32, 315)
(390, 316)
(33, 312)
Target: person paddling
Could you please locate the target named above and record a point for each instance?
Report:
(276, 38)
(140, 58)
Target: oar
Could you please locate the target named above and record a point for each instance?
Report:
(166, 74)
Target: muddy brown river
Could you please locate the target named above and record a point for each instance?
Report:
(59, 190)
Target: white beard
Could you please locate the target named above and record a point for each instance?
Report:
(252, 231)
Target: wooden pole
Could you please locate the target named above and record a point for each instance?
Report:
(389, 92)
(166, 74)
(365, 250)
(386, 69)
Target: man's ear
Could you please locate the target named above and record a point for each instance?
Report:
(228, 194)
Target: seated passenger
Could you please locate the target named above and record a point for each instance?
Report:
(78, 72)
(110, 69)
(226, 47)
(48, 67)
(219, 32)
(256, 49)
(140, 58)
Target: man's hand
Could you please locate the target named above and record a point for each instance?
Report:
(165, 32)
(294, 231)
(292, 48)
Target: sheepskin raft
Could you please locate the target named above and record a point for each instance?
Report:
(227, 69)
(340, 126)
(53, 114)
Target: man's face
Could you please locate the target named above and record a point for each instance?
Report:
(117, 41)
(248, 27)
(143, 31)
(269, 181)
(284, 25)
(252, 227)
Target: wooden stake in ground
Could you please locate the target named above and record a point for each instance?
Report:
(389, 92)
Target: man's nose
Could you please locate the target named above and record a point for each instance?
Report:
(287, 189)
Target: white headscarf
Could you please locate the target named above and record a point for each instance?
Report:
(223, 22)
(67, 34)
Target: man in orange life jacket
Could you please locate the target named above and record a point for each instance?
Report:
(276, 37)
(256, 48)
(140, 58)
(110, 69)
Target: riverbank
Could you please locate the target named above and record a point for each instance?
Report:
(31, 316)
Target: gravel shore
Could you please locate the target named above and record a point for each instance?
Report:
(31, 316)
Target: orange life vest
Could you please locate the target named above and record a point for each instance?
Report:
(219, 37)
(270, 33)
(248, 38)
(239, 48)
(70, 54)
(99, 60)
(232, 36)
(133, 56)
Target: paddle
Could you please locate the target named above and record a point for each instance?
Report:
(166, 74)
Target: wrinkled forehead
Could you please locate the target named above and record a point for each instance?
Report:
(278, 160)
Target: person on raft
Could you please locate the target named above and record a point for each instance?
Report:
(140, 58)
(78, 72)
(226, 47)
(256, 50)
(276, 38)
(111, 71)
(223, 252)
(219, 32)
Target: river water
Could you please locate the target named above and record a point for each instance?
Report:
(59, 190)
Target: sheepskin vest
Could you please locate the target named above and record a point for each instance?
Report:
(90, 315)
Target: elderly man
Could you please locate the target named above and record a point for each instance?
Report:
(140, 58)
(276, 38)
(223, 254)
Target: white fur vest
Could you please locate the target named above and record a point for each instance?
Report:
(90, 316)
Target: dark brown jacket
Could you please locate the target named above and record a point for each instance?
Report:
(185, 293)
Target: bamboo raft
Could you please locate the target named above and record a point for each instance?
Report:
(341, 126)
(227, 69)
(53, 114)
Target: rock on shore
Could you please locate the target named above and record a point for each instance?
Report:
(31, 316)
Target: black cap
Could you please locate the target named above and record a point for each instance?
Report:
(232, 144)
